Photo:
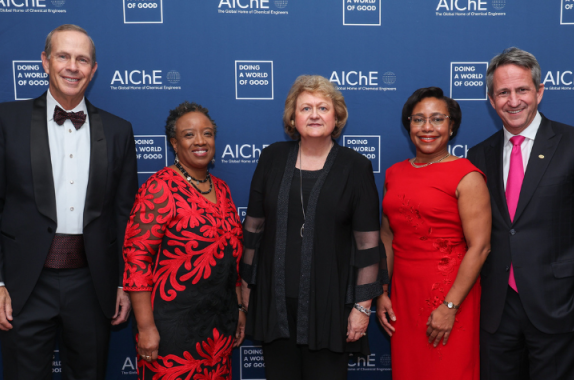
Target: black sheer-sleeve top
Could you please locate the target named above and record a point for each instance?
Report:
(342, 257)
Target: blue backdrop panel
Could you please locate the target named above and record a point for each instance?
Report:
(240, 57)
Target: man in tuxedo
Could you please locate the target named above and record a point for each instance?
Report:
(527, 305)
(68, 179)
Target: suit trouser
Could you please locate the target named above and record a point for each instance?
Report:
(519, 351)
(64, 304)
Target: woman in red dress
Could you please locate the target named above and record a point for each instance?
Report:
(182, 249)
(436, 231)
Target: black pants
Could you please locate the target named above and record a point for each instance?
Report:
(62, 303)
(519, 351)
(287, 360)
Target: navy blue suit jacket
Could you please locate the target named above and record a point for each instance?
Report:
(540, 240)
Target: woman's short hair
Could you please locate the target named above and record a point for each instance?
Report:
(454, 112)
(320, 85)
(179, 111)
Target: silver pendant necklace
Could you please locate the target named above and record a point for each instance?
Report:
(301, 183)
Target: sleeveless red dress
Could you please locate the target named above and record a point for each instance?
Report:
(428, 246)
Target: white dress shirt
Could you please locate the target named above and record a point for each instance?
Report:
(530, 134)
(70, 156)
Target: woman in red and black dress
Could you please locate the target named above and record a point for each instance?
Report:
(182, 249)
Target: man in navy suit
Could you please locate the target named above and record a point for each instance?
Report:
(68, 179)
(527, 305)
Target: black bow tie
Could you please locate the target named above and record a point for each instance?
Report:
(77, 118)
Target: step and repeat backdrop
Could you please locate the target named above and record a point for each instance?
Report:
(239, 58)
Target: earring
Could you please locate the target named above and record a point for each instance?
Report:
(292, 122)
(213, 161)
(451, 133)
(176, 160)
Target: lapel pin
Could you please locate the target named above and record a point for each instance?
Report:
(541, 156)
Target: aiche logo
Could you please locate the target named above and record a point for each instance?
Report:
(254, 80)
(459, 150)
(173, 77)
(281, 3)
(368, 145)
(369, 363)
(253, 7)
(498, 4)
(32, 6)
(151, 153)
(242, 153)
(389, 78)
(143, 11)
(469, 8)
(242, 212)
(30, 80)
(362, 12)
(567, 12)
(22, 4)
(144, 79)
(354, 80)
(559, 80)
(362, 363)
(385, 361)
(129, 367)
(468, 80)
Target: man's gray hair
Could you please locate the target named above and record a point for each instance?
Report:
(514, 56)
(65, 28)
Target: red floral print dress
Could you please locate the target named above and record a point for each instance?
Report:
(185, 250)
(428, 247)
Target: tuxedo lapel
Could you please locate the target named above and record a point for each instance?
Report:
(544, 147)
(494, 173)
(96, 191)
(41, 163)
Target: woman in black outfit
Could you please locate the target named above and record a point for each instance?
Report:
(313, 259)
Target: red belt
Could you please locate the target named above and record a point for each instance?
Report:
(66, 252)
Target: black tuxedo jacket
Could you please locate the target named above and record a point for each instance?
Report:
(28, 203)
(540, 240)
